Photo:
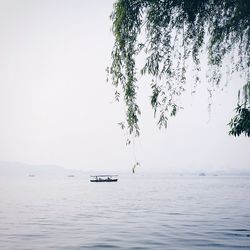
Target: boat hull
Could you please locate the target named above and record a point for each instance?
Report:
(105, 180)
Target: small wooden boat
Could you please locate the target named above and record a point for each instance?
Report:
(104, 178)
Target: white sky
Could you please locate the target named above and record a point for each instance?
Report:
(57, 108)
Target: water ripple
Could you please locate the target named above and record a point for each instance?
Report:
(149, 213)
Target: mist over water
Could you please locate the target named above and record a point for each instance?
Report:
(137, 212)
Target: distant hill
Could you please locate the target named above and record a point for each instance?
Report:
(23, 169)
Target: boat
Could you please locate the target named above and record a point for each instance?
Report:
(104, 178)
(202, 174)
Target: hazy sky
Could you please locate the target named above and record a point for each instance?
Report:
(57, 108)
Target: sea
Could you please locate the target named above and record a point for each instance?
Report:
(141, 211)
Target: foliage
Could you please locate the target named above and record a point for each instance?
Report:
(240, 124)
(137, 164)
(169, 33)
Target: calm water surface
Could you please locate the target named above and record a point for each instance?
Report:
(137, 212)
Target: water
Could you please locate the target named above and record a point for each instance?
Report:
(137, 212)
